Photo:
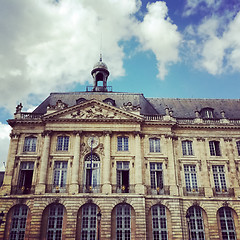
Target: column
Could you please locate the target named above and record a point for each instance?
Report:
(9, 172)
(41, 187)
(74, 187)
(107, 188)
(139, 188)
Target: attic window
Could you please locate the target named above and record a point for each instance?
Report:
(207, 113)
(80, 100)
(109, 101)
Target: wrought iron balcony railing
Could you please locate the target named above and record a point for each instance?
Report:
(223, 192)
(22, 190)
(199, 191)
(158, 191)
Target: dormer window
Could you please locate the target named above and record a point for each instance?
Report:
(207, 113)
(80, 100)
(109, 101)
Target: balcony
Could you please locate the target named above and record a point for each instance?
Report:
(193, 191)
(223, 192)
(50, 188)
(158, 191)
(22, 190)
(90, 189)
(123, 189)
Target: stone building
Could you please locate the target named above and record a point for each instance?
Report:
(109, 165)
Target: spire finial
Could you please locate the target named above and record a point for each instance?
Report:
(100, 57)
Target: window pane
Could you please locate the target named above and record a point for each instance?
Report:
(122, 143)
(227, 223)
(196, 223)
(30, 144)
(18, 222)
(159, 222)
(62, 143)
(89, 222)
(55, 222)
(123, 222)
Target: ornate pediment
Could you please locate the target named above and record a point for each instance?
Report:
(93, 110)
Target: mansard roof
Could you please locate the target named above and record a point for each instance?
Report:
(181, 108)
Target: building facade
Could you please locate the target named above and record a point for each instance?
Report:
(108, 165)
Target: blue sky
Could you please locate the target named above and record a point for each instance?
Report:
(171, 49)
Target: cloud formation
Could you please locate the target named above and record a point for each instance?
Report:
(4, 143)
(50, 46)
(218, 44)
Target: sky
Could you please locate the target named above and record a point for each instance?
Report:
(170, 49)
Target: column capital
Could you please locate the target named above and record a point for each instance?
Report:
(14, 135)
(79, 133)
(47, 133)
(105, 133)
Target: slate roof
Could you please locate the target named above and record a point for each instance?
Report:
(182, 108)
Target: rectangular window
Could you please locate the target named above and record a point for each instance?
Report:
(123, 177)
(187, 148)
(214, 148)
(190, 178)
(238, 147)
(25, 177)
(156, 174)
(30, 144)
(62, 143)
(154, 144)
(219, 178)
(60, 176)
(122, 143)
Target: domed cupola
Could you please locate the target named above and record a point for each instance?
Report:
(100, 73)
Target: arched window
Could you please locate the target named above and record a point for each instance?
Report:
(53, 222)
(16, 224)
(159, 223)
(227, 223)
(195, 224)
(92, 173)
(123, 222)
(89, 222)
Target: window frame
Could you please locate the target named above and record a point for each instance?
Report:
(238, 147)
(60, 176)
(187, 148)
(156, 176)
(159, 222)
(30, 144)
(57, 217)
(207, 113)
(214, 147)
(196, 221)
(219, 178)
(62, 143)
(19, 229)
(89, 219)
(226, 219)
(26, 171)
(123, 222)
(92, 173)
(123, 169)
(122, 143)
(154, 145)
(190, 176)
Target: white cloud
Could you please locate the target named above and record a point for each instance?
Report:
(47, 46)
(4, 143)
(194, 6)
(218, 45)
(158, 34)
